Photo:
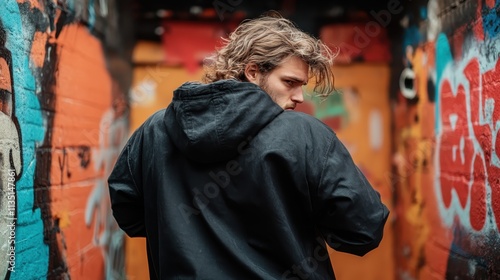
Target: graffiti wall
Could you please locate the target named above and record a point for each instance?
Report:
(446, 160)
(63, 121)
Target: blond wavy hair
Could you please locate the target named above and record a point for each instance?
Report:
(267, 41)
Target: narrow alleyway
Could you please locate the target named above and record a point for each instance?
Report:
(418, 108)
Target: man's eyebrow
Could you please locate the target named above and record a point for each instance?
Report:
(295, 79)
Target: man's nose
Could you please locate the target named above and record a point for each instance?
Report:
(298, 95)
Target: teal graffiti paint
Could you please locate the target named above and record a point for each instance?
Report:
(92, 16)
(443, 58)
(71, 5)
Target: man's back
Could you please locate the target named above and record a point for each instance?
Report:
(226, 185)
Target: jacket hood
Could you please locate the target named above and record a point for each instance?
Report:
(208, 122)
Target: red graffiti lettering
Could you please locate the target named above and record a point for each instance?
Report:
(456, 150)
(466, 168)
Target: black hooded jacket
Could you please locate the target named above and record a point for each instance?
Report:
(224, 184)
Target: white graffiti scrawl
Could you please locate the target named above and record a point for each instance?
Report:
(112, 138)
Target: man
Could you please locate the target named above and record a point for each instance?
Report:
(229, 183)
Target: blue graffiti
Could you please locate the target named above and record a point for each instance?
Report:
(32, 253)
(411, 37)
(423, 12)
(491, 24)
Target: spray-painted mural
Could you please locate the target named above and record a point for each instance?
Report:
(63, 122)
(447, 123)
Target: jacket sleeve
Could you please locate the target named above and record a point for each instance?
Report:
(125, 188)
(350, 213)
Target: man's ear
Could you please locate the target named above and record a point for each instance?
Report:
(252, 72)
